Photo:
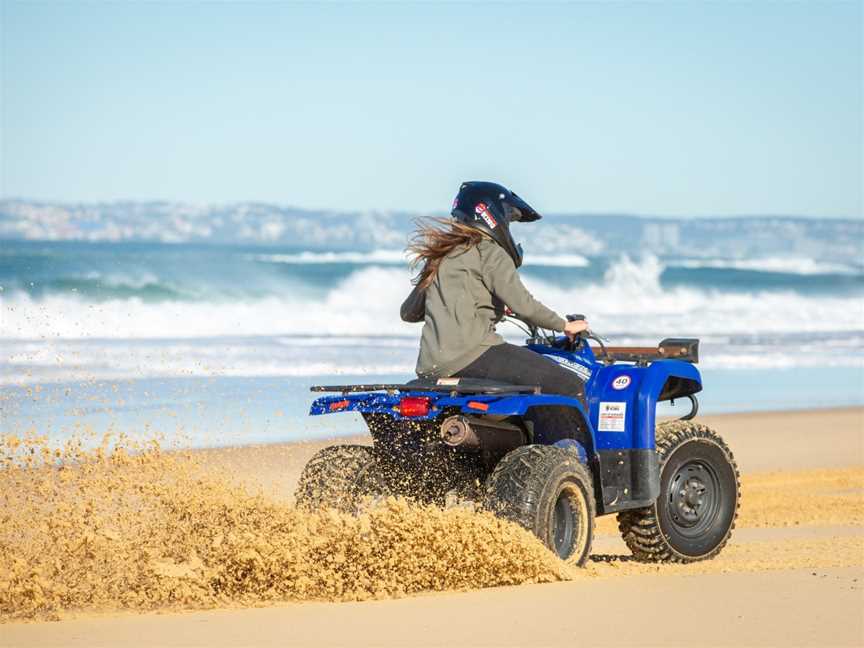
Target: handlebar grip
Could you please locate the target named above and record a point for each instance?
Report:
(576, 342)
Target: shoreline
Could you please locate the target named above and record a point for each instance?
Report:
(231, 412)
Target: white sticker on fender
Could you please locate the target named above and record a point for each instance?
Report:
(621, 382)
(612, 417)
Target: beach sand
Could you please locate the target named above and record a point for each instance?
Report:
(793, 573)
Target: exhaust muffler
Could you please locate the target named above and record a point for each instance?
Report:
(470, 433)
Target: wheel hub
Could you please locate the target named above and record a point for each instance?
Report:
(563, 526)
(692, 496)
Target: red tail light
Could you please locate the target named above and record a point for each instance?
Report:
(414, 406)
(339, 405)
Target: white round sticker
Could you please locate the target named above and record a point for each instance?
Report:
(621, 382)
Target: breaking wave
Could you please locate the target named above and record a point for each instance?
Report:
(348, 324)
(628, 299)
(400, 258)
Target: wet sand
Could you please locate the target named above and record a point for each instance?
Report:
(793, 573)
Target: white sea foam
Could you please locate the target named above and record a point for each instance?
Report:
(376, 257)
(400, 257)
(557, 260)
(123, 280)
(27, 362)
(786, 265)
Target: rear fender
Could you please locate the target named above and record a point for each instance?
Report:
(663, 381)
(563, 401)
(638, 389)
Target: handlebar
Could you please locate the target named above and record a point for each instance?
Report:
(540, 336)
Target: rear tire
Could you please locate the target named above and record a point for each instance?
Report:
(549, 492)
(340, 477)
(700, 492)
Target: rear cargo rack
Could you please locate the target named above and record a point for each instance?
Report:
(446, 389)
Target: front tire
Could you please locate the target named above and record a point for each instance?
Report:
(340, 477)
(700, 493)
(549, 492)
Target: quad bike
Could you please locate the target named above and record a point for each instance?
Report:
(674, 486)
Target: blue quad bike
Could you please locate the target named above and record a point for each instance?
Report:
(674, 486)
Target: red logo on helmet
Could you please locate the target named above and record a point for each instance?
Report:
(483, 211)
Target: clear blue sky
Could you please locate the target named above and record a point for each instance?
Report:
(656, 108)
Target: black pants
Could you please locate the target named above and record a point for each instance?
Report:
(521, 366)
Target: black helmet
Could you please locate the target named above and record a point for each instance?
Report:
(491, 208)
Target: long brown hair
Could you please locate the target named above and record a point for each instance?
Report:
(433, 240)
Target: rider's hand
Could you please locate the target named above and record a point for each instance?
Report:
(572, 329)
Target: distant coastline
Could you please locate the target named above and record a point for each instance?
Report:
(264, 224)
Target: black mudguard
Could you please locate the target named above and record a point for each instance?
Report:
(627, 478)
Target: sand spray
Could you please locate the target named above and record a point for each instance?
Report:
(130, 525)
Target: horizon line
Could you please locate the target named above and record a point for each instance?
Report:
(416, 214)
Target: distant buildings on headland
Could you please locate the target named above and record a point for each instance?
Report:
(262, 224)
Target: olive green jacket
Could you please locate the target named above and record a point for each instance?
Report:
(464, 302)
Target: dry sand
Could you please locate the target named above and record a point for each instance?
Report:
(793, 573)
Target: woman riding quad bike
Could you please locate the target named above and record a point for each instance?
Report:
(510, 428)
(467, 283)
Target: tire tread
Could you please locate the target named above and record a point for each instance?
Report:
(329, 479)
(514, 490)
(640, 528)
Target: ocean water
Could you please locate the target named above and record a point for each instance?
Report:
(220, 343)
